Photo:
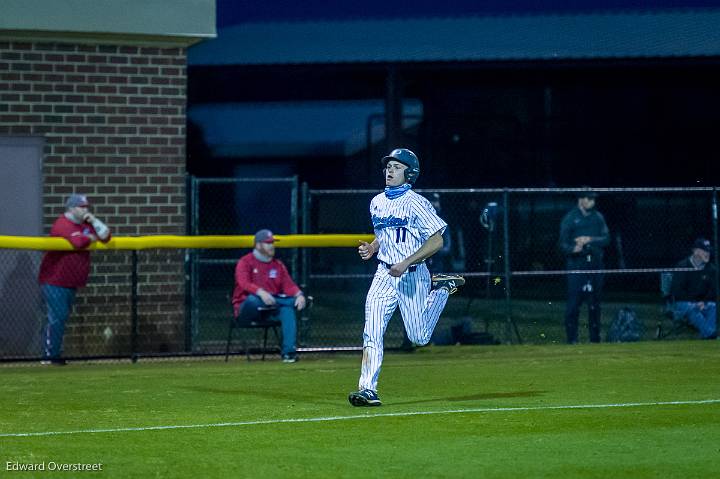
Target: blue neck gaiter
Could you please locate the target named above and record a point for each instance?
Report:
(393, 192)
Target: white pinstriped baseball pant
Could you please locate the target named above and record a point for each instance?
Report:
(420, 309)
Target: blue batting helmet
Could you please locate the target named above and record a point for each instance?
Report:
(407, 158)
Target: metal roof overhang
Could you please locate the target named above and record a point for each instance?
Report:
(143, 22)
(634, 34)
(339, 128)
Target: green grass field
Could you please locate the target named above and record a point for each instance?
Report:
(586, 411)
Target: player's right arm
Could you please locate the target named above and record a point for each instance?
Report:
(367, 250)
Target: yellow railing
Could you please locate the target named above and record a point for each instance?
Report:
(178, 242)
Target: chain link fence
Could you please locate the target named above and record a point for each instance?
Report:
(505, 242)
(132, 305)
(231, 206)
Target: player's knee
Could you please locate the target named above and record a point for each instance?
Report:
(371, 341)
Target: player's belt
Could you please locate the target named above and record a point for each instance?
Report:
(411, 269)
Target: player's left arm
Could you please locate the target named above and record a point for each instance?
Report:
(102, 232)
(428, 248)
(290, 288)
(603, 238)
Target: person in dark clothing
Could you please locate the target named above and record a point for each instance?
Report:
(583, 235)
(694, 292)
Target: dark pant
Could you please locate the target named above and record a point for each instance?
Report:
(58, 301)
(583, 287)
(285, 312)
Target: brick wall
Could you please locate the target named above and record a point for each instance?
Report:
(113, 118)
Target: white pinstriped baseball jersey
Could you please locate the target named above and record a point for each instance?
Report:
(403, 224)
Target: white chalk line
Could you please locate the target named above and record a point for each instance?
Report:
(363, 416)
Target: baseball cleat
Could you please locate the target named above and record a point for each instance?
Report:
(451, 282)
(54, 362)
(366, 397)
(289, 358)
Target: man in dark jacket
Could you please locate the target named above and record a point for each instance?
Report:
(694, 291)
(583, 235)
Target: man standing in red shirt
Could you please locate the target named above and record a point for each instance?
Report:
(262, 280)
(63, 272)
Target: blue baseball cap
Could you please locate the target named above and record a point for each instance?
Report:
(703, 244)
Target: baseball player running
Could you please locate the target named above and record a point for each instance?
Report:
(407, 232)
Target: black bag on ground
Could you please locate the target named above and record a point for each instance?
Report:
(626, 327)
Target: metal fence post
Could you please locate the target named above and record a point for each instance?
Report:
(715, 246)
(194, 273)
(506, 262)
(305, 224)
(133, 308)
(189, 183)
(510, 324)
(294, 221)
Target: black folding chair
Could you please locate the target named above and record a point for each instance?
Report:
(264, 322)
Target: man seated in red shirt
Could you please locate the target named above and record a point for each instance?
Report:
(63, 272)
(260, 279)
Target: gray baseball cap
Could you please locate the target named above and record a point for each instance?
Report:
(76, 200)
(264, 236)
